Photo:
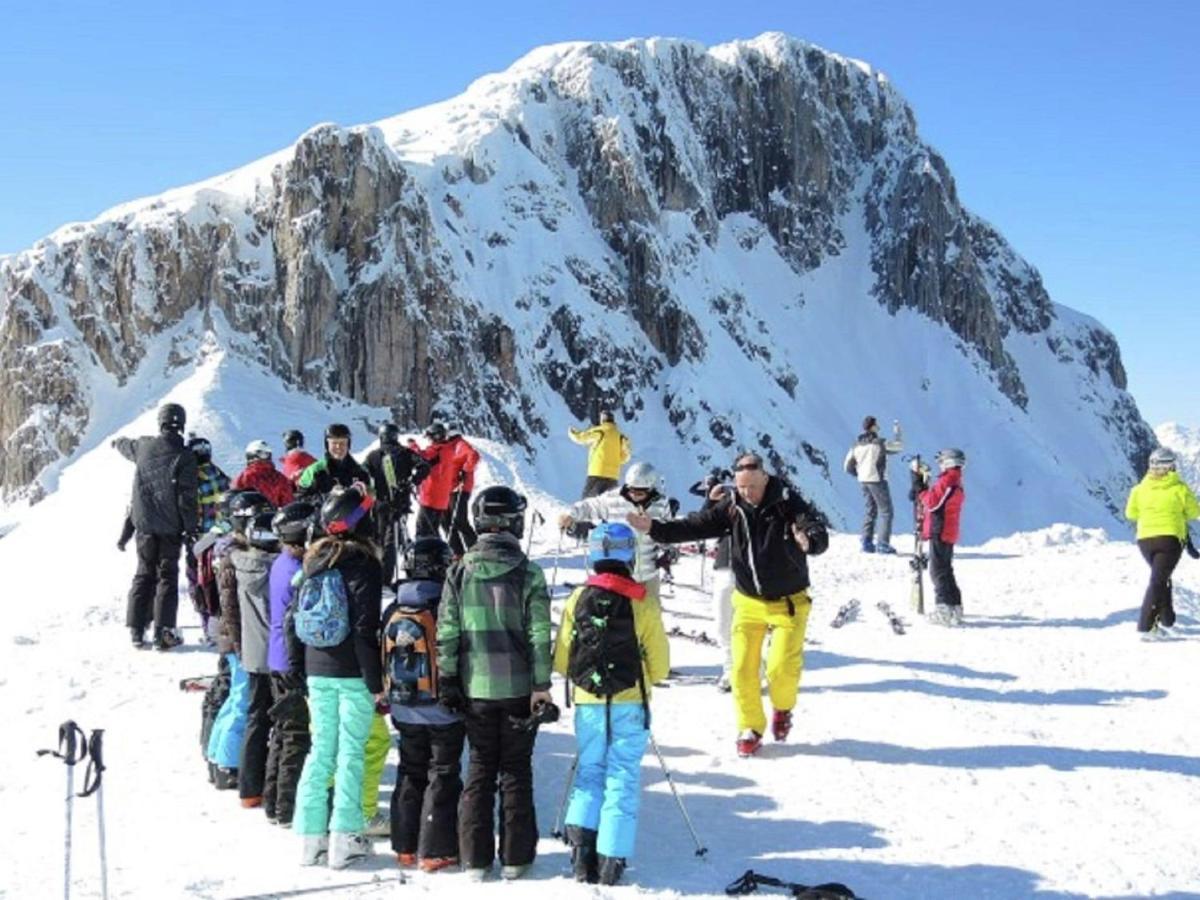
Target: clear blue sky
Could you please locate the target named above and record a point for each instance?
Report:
(1070, 125)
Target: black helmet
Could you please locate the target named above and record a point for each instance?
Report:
(244, 507)
(499, 508)
(606, 415)
(293, 522)
(345, 512)
(436, 432)
(428, 558)
(292, 439)
(338, 430)
(260, 534)
(389, 434)
(171, 417)
(200, 447)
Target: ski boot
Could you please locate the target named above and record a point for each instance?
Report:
(166, 639)
(611, 869)
(316, 850)
(406, 860)
(748, 743)
(885, 548)
(380, 825)
(584, 863)
(138, 636)
(512, 873)
(478, 874)
(346, 848)
(868, 545)
(781, 724)
(437, 863)
(225, 779)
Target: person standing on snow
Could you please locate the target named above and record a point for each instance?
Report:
(772, 533)
(394, 469)
(867, 460)
(295, 458)
(434, 493)
(461, 536)
(639, 494)
(261, 475)
(1161, 504)
(337, 468)
(712, 488)
(164, 513)
(941, 512)
(608, 450)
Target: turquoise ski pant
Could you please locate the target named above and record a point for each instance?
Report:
(341, 712)
(608, 777)
(225, 739)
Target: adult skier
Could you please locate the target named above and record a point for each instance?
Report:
(867, 460)
(1161, 504)
(465, 457)
(394, 469)
(436, 491)
(608, 450)
(772, 533)
(337, 468)
(164, 512)
(295, 458)
(941, 512)
(261, 475)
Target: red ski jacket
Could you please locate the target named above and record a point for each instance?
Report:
(294, 462)
(262, 476)
(466, 458)
(446, 460)
(941, 505)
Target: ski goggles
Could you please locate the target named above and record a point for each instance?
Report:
(351, 521)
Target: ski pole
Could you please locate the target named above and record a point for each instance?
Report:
(560, 819)
(700, 849)
(454, 526)
(557, 554)
(70, 753)
(535, 519)
(93, 783)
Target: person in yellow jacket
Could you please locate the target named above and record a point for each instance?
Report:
(612, 646)
(1161, 504)
(608, 451)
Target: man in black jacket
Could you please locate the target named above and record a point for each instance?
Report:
(395, 470)
(772, 532)
(164, 512)
(337, 468)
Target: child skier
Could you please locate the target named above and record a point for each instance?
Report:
(493, 660)
(424, 810)
(941, 506)
(612, 646)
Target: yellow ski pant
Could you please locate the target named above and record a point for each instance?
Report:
(787, 620)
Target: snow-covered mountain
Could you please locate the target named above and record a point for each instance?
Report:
(747, 244)
(1185, 441)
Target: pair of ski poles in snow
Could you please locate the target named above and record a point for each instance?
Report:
(74, 746)
(559, 820)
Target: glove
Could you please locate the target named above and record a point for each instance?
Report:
(450, 694)
(543, 714)
(1191, 549)
(462, 476)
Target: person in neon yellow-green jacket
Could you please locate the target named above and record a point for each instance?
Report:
(608, 450)
(1161, 504)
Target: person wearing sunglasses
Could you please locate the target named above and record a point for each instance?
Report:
(772, 532)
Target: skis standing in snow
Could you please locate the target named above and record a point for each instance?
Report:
(867, 460)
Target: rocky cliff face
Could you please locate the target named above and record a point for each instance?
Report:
(654, 226)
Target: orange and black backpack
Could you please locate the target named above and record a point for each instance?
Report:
(410, 657)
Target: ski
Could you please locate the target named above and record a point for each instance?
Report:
(894, 620)
(198, 683)
(698, 637)
(847, 612)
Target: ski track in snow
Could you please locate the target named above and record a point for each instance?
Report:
(1040, 751)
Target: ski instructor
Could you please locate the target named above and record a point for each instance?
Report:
(608, 450)
(772, 533)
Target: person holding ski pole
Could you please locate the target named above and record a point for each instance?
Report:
(465, 457)
(394, 469)
(608, 450)
(941, 512)
(772, 532)
(1161, 504)
(867, 460)
(433, 495)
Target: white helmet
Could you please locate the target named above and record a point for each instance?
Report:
(257, 450)
(642, 476)
(1162, 458)
(951, 458)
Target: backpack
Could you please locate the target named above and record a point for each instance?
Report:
(409, 646)
(322, 616)
(605, 656)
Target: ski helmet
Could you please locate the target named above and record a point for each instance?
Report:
(612, 542)
(201, 448)
(1163, 459)
(292, 439)
(293, 522)
(260, 534)
(499, 508)
(436, 432)
(171, 417)
(606, 415)
(345, 512)
(951, 458)
(642, 476)
(389, 435)
(338, 431)
(257, 450)
(244, 506)
(428, 558)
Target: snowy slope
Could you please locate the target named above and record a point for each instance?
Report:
(1042, 751)
(1185, 442)
(747, 244)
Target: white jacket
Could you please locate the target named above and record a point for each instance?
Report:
(611, 506)
(867, 459)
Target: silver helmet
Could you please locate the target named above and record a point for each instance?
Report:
(1162, 458)
(951, 458)
(642, 476)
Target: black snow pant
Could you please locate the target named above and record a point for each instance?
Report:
(431, 522)
(941, 573)
(1163, 554)
(214, 698)
(462, 536)
(504, 755)
(391, 533)
(252, 762)
(154, 594)
(595, 485)
(290, 740)
(428, 785)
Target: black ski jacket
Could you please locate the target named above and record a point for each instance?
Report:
(409, 469)
(165, 484)
(766, 562)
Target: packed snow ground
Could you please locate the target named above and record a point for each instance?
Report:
(1041, 751)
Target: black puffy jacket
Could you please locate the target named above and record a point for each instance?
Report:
(165, 484)
(766, 562)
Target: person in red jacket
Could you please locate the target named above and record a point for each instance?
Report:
(941, 507)
(465, 458)
(433, 495)
(295, 458)
(261, 475)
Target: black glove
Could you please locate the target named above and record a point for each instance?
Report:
(543, 714)
(1191, 549)
(450, 694)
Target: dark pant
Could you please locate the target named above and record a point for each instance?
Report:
(1162, 553)
(462, 536)
(428, 785)
(596, 485)
(941, 573)
(430, 521)
(252, 762)
(391, 532)
(288, 748)
(154, 594)
(499, 754)
(877, 502)
(214, 697)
